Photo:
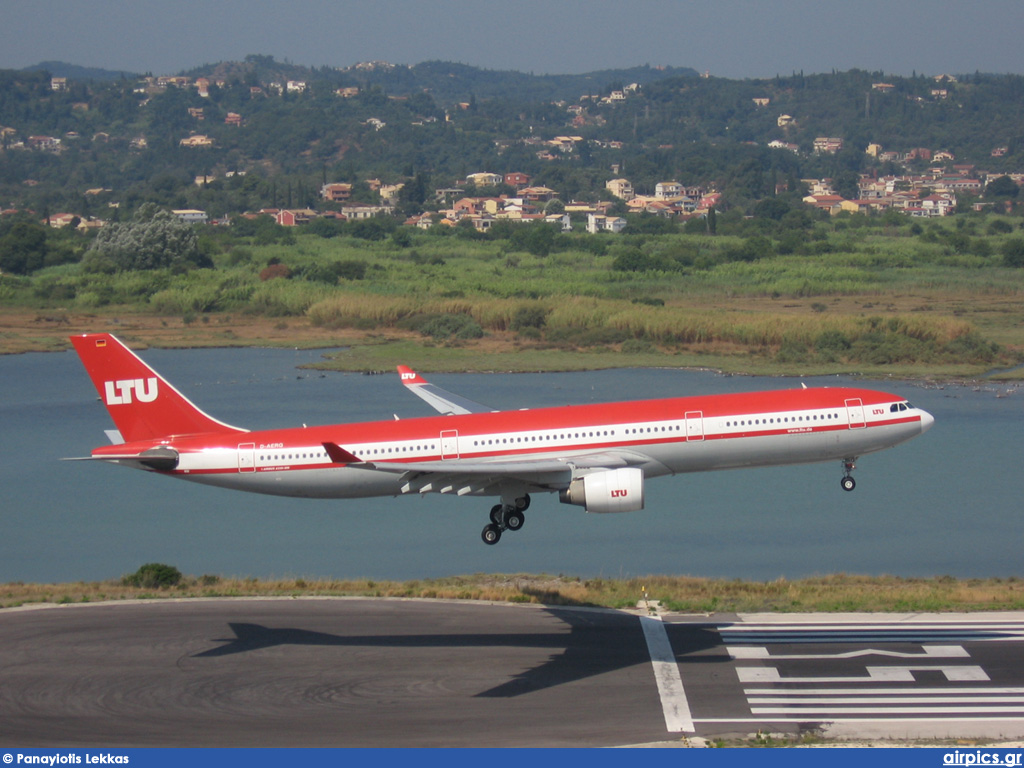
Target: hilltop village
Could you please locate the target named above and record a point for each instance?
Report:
(205, 116)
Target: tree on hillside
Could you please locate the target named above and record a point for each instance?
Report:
(1002, 186)
(23, 248)
(153, 239)
(1013, 252)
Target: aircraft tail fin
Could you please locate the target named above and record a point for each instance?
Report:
(143, 405)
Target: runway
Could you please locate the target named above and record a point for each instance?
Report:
(363, 672)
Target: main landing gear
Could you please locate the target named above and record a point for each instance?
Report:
(505, 517)
(848, 483)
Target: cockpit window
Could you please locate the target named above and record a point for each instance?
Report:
(899, 407)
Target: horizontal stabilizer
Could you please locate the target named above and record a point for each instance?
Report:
(163, 459)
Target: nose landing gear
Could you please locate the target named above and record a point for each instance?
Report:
(505, 517)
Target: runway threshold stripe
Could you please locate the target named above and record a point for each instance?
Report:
(878, 720)
(886, 700)
(877, 691)
(828, 711)
(674, 704)
(754, 629)
(868, 637)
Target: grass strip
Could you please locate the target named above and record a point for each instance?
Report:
(834, 593)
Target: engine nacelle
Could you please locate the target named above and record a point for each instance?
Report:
(613, 490)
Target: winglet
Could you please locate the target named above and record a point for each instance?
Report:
(439, 399)
(409, 376)
(339, 455)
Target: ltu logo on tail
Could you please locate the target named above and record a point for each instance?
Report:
(120, 392)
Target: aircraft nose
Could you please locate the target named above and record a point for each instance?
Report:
(926, 421)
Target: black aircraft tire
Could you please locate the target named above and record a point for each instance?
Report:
(514, 519)
(491, 534)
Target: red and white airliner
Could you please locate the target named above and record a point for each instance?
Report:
(594, 456)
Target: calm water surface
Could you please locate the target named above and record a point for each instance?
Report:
(948, 502)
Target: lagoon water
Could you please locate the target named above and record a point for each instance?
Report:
(948, 502)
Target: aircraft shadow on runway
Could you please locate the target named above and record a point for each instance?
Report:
(596, 643)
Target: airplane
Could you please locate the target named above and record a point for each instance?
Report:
(594, 456)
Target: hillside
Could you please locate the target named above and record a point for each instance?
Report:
(76, 72)
(447, 82)
(294, 128)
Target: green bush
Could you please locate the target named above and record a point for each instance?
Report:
(153, 576)
(446, 326)
(1013, 252)
(529, 316)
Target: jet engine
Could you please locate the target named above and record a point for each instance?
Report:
(612, 490)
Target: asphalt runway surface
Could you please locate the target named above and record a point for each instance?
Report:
(416, 673)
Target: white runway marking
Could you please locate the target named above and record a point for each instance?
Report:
(930, 651)
(666, 672)
(830, 711)
(875, 674)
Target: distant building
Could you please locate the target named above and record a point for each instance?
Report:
(197, 141)
(336, 193)
(294, 217)
(621, 188)
(485, 179)
(517, 180)
(827, 145)
(666, 189)
(191, 216)
(597, 222)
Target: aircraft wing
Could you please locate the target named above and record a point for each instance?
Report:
(483, 476)
(439, 399)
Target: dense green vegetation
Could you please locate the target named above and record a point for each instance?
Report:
(854, 293)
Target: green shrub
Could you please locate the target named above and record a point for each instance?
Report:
(153, 576)
(529, 316)
(447, 326)
(1013, 252)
